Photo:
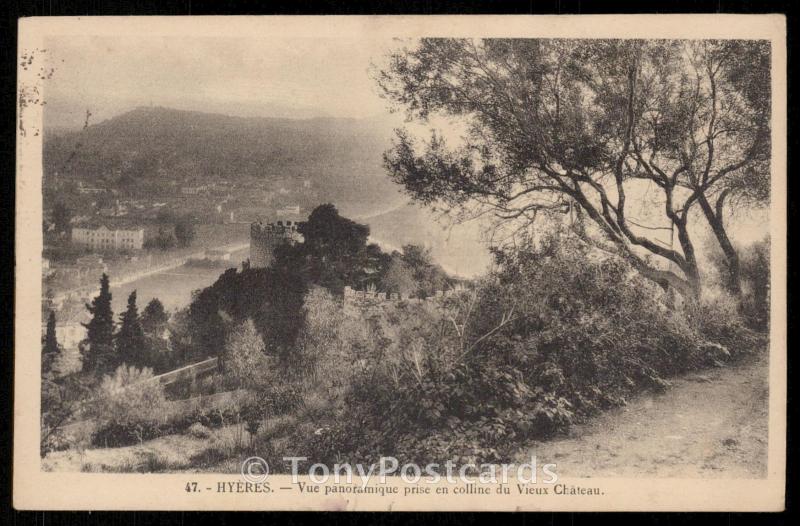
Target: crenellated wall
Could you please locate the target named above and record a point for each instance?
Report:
(364, 300)
(264, 237)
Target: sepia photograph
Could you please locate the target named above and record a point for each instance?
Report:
(358, 260)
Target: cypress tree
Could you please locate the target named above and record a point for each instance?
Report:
(50, 348)
(130, 340)
(98, 347)
(154, 319)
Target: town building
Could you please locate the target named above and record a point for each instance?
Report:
(194, 190)
(70, 335)
(104, 238)
(288, 211)
(89, 190)
(115, 210)
(91, 264)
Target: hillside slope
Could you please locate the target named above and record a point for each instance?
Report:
(154, 148)
(341, 157)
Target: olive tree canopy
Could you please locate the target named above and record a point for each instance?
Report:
(577, 123)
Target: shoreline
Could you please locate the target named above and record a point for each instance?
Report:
(176, 263)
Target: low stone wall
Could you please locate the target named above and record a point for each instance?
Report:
(364, 300)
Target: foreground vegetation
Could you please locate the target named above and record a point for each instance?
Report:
(558, 333)
(568, 324)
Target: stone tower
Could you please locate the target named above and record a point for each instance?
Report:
(264, 237)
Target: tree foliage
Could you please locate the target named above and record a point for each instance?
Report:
(154, 319)
(131, 343)
(184, 232)
(50, 347)
(428, 275)
(335, 251)
(98, 347)
(557, 124)
(128, 406)
(399, 278)
(413, 271)
(245, 355)
(61, 216)
(272, 297)
(164, 240)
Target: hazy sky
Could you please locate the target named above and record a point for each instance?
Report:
(260, 77)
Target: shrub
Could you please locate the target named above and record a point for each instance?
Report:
(118, 434)
(198, 430)
(716, 319)
(754, 273)
(56, 440)
(555, 335)
(155, 462)
(209, 457)
(212, 418)
(755, 263)
(245, 359)
(129, 406)
(274, 400)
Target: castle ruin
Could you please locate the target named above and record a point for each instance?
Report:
(264, 237)
(371, 301)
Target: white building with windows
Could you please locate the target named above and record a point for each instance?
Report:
(103, 238)
(288, 211)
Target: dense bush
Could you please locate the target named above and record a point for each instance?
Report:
(557, 334)
(244, 358)
(718, 318)
(209, 418)
(272, 298)
(115, 433)
(129, 407)
(755, 264)
(754, 274)
(198, 430)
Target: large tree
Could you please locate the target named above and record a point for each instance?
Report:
(154, 319)
(184, 231)
(399, 277)
(61, 216)
(131, 343)
(155, 324)
(334, 252)
(98, 347)
(245, 358)
(272, 298)
(586, 125)
(50, 347)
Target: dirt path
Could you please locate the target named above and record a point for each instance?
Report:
(709, 424)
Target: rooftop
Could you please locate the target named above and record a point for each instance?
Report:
(97, 225)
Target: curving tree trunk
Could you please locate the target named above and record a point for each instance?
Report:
(714, 218)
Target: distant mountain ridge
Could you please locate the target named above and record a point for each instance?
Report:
(342, 157)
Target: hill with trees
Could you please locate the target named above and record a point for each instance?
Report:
(154, 146)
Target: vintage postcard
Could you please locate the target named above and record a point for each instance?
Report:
(401, 263)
